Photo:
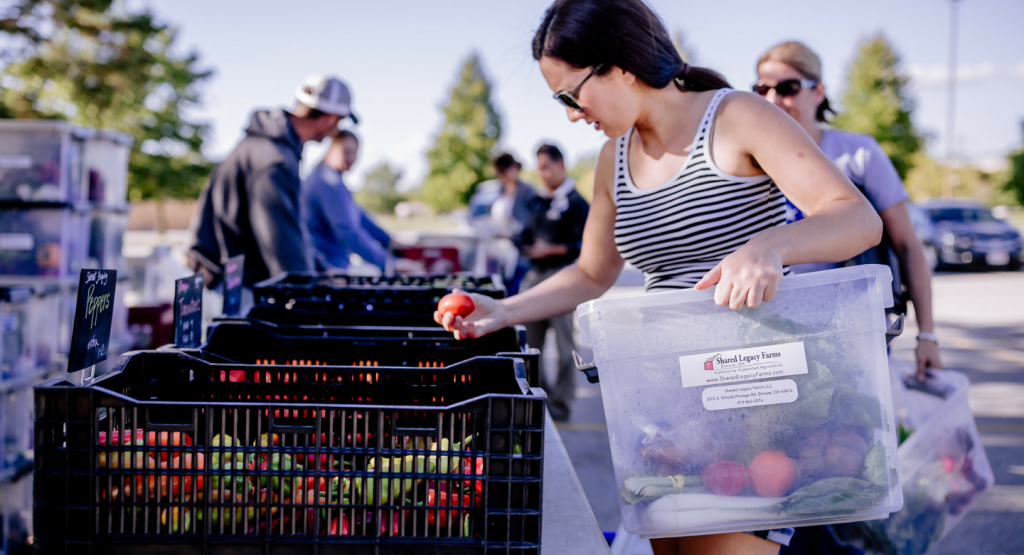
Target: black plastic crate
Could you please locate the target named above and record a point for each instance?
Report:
(253, 342)
(267, 440)
(299, 298)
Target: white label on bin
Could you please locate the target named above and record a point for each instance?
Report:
(741, 365)
(15, 161)
(17, 242)
(749, 395)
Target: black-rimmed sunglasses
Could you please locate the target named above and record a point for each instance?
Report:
(789, 87)
(568, 99)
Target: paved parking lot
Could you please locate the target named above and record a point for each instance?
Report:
(980, 320)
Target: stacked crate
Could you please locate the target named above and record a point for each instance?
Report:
(335, 418)
(63, 207)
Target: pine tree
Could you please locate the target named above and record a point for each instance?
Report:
(1015, 174)
(95, 64)
(380, 189)
(460, 157)
(874, 103)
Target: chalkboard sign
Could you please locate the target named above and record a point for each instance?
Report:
(90, 335)
(188, 311)
(233, 285)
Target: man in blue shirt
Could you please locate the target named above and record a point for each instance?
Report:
(337, 226)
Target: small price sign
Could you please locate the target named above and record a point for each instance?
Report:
(90, 335)
(233, 285)
(188, 311)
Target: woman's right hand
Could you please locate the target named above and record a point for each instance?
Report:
(489, 316)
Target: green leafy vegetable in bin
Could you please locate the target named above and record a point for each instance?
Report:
(876, 468)
(833, 494)
(851, 408)
(903, 433)
(641, 488)
(789, 329)
(770, 426)
(815, 395)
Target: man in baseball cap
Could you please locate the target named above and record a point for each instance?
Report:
(326, 94)
(251, 203)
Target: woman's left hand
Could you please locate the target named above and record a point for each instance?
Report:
(927, 357)
(745, 277)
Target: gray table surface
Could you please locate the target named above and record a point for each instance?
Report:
(568, 523)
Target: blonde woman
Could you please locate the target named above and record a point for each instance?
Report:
(789, 76)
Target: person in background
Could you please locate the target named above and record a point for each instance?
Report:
(250, 205)
(789, 75)
(551, 240)
(337, 225)
(506, 200)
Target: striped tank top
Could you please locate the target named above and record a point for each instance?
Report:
(677, 231)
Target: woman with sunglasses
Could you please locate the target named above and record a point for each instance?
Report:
(789, 75)
(682, 190)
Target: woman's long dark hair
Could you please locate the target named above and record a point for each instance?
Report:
(618, 33)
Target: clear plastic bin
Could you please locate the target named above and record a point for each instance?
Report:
(16, 515)
(106, 167)
(106, 237)
(44, 319)
(942, 463)
(16, 353)
(16, 417)
(41, 160)
(728, 421)
(39, 240)
(67, 297)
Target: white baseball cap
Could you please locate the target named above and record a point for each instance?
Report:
(327, 94)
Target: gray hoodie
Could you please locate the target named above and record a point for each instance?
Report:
(251, 205)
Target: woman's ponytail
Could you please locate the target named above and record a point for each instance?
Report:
(697, 79)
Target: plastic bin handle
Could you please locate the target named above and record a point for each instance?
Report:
(895, 329)
(588, 368)
(286, 429)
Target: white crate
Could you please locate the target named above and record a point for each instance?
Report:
(15, 515)
(42, 240)
(16, 424)
(16, 348)
(106, 167)
(41, 160)
(727, 421)
(943, 465)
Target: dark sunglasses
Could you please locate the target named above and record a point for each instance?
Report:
(789, 87)
(568, 99)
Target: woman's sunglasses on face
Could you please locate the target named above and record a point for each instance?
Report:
(568, 99)
(786, 88)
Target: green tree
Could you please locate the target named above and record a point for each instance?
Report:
(380, 190)
(1014, 183)
(685, 52)
(875, 103)
(96, 64)
(583, 173)
(460, 157)
(926, 178)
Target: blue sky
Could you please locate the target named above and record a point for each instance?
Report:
(401, 58)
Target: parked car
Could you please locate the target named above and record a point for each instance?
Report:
(959, 233)
(924, 230)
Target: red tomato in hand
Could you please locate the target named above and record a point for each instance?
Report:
(456, 303)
